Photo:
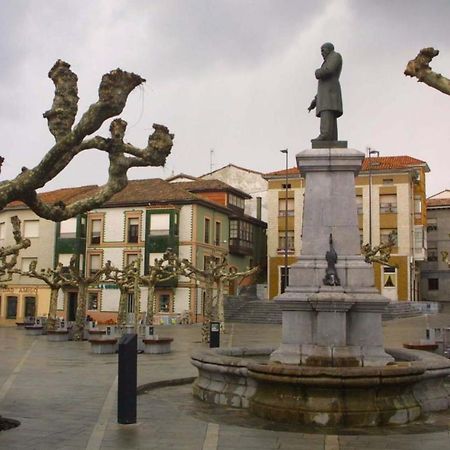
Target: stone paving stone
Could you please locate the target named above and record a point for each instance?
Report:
(61, 388)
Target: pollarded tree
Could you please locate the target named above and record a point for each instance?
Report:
(124, 279)
(76, 278)
(72, 139)
(216, 273)
(54, 280)
(163, 269)
(419, 67)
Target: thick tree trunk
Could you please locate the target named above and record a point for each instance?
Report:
(220, 307)
(150, 304)
(208, 313)
(81, 312)
(51, 321)
(123, 303)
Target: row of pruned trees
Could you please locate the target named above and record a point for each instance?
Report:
(213, 278)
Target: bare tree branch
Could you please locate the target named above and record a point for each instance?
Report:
(9, 254)
(71, 140)
(419, 68)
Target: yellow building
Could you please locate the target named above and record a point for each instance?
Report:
(390, 193)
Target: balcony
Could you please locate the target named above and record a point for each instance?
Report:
(240, 247)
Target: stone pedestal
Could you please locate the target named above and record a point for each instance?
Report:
(331, 325)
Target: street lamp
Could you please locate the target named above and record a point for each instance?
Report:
(286, 152)
(377, 153)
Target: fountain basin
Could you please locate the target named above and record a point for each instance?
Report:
(397, 393)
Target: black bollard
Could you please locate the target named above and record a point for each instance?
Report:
(214, 334)
(127, 388)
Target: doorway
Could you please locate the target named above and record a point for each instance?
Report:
(30, 307)
(72, 304)
(11, 307)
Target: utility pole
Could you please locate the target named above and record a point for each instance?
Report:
(286, 152)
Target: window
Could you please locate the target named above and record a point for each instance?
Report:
(388, 233)
(286, 186)
(241, 234)
(218, 233)
(93, 301)
(359, 204)
(432, 254)
(159, 224)
(388, 203)
(388, 181)
(286, 207)
(236, 201)
(132, 229)
(95, 263)
(164, 303)
(282, 240)
(11, 307)
(96, 231)
(31, 228)
(25, 264)
(68, 228)
(130, 258)
(130, 303)
(432, 225)
(207, 231)
(433, 284)
(234, 229)
(417, 205)
(418, 238)
(284, 278)
(208, 259)
(2, 230)
(389, 277)
(64, 259)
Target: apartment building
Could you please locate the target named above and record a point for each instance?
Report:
(195, 218)
(435, 270)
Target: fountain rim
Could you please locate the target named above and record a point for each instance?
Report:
(416, 365)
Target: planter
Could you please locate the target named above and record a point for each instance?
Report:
(103, 346)
(157, 346)
(33, 330)
(57, 335)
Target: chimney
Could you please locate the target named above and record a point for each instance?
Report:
(258, 207)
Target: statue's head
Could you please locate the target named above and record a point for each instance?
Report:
(326, 49)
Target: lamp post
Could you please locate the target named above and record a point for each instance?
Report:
(286, 152)
(371, 152)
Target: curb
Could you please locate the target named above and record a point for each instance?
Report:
(142, 389)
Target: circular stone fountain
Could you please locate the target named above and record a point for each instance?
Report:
(331, 367)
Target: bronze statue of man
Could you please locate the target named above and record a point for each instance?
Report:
(328, 101)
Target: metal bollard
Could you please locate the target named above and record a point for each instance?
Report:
(214, 334)
(127, 383)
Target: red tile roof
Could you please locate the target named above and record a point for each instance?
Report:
(66, 195)
(391, 162)
(438, 202)
(380, 163)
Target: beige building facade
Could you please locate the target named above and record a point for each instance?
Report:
(390, 193)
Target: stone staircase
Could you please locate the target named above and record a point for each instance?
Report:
(251, 310)
(401, 310)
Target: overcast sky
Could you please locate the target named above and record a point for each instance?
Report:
(233, 76)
